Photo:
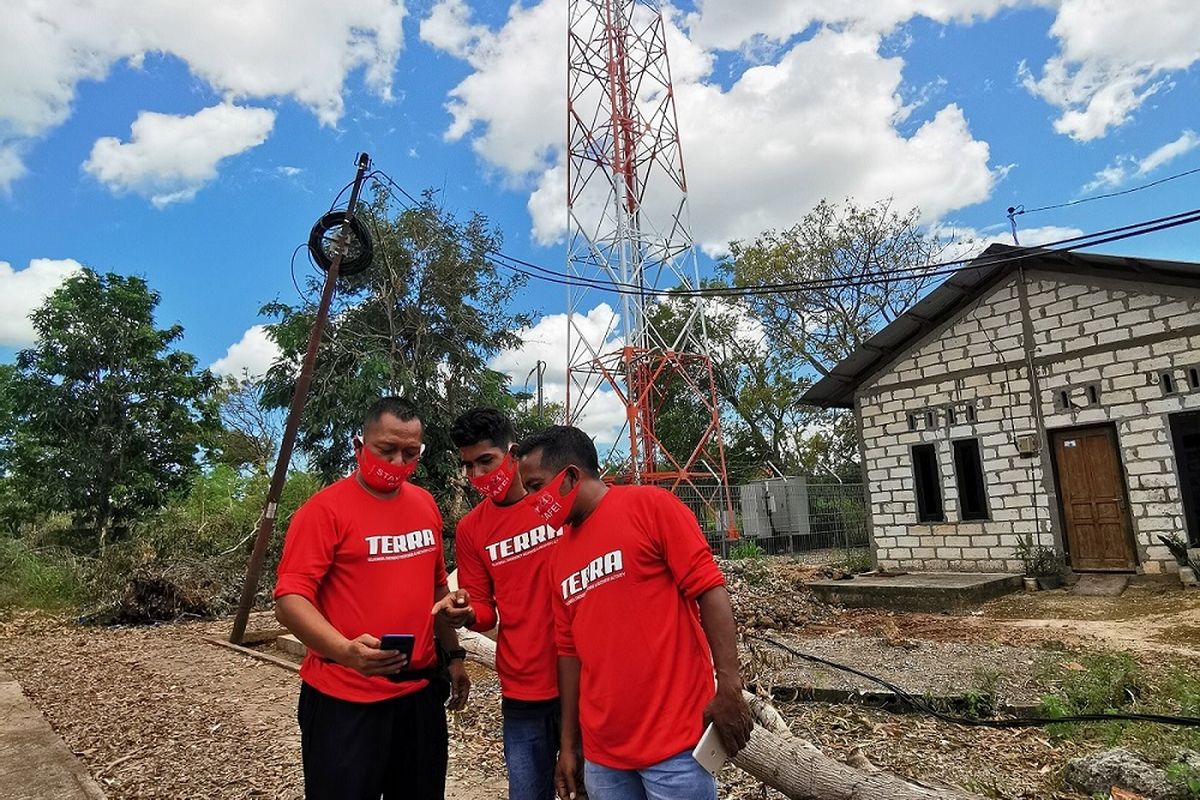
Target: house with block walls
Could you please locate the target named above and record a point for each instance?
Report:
(1036, 395)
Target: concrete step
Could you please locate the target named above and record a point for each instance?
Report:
(35, 763)
(290, 644)
(918, 591)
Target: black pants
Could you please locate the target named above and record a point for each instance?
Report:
(361, 751)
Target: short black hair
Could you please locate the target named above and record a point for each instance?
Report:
(483, 425)
(563, 446)
(398, 407)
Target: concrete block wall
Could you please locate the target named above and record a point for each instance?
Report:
(1083, 335)
(1122, 342)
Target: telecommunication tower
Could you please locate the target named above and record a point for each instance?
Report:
(629, 228)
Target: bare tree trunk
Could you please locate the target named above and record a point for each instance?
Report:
(783, 761)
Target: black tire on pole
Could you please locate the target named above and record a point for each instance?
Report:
(359, 249)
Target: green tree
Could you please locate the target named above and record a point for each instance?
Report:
(15, 510)
(805, 333)
(815, 328)
(107, 418)
(422, 323)
(249, 433)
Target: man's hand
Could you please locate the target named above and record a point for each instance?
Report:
(567, 774)
(455, 608)
(364, 656)
(460, 685)
(731, 716)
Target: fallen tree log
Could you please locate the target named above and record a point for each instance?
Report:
(782, 760)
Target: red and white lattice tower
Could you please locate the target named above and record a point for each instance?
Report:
(628, 218)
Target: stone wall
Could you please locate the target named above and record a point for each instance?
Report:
(1106, 345)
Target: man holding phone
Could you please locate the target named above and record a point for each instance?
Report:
(361, 565)
(642, 618)
(503, 550)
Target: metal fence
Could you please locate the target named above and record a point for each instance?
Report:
(785, 516)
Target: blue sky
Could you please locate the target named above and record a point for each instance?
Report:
(247, 129)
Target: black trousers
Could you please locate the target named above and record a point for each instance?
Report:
(362, 751)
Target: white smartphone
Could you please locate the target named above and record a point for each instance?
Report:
(710, 753)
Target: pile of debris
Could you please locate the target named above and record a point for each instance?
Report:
(773, 593)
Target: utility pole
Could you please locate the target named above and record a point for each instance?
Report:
(541, 375)
(266, 524)
(540, 369)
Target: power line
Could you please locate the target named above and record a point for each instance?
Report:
(1022, 210)
(935, 269)
(1022, 722)
(869, 279)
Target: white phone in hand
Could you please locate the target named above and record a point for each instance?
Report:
(710, 753)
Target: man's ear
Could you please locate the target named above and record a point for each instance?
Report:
(357, 443)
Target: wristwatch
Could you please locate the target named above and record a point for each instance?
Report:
(453, 654)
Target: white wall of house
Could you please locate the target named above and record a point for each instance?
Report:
(1115, 335)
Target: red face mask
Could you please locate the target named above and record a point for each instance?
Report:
(380, 475)
(495, 484)
(550, 504)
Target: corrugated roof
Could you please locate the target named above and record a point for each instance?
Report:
(836, 390)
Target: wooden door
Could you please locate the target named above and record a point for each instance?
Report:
(1091, 492)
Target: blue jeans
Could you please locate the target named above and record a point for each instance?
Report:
(531, 735)
(678, 778)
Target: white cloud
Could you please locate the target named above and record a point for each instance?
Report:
(11, 166)
(1046, 234)
(249, 357)
(820, 122)
(303, 49)
(23, 291)
(1125, 167)
(604, 414)
(1170, 151)
(289, 172)
(169, 158)
(448, 28)
(1112, 57)
(513, 102)
(732, 24)
(967, 243)
(1114, 174)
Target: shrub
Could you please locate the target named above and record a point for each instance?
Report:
(745, 549)
(37, 577)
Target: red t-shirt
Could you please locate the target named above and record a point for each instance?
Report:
(369, 565)
(504, 562)
(625, 584)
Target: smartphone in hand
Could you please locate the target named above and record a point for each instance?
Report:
(710, 753)
(401, 642)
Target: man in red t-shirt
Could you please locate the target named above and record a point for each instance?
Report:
(363, 559)
(642, 616)
(503, 549)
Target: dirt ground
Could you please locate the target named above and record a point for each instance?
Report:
(161, 713)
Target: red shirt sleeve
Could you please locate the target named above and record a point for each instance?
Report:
(474, 577)
(684, 547)
(564, 636)
(308, 551)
